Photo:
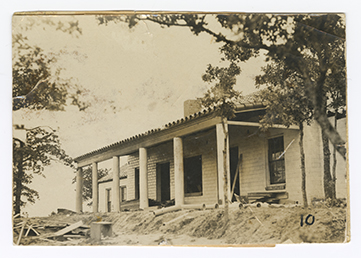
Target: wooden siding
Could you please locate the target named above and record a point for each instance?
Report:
(203, 143)
(253, 145)
(314, 161)
(102, 192)
(133, 163)
(341, 165)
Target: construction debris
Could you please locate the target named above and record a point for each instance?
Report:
(65, 211)
(212, 206)
(194, 206)
(165, 210)
(68, 229)
(21, 232)
(236, 205)
(189, 227)
(267, 197)
(175, 219)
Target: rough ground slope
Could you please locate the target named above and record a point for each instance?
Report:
(207, 227)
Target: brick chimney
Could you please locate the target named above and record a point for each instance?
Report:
(191, 106)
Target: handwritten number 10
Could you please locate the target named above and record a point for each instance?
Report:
(310, 219)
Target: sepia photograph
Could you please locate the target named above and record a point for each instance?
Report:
(179, 129)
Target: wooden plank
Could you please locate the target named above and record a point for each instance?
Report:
(69, 228)
(235, 176)
(73, 236)
(21, 232)
(255, 124)
(48, 240)
(250, 195)
(175, 219)
(27, 232)
(36, 232)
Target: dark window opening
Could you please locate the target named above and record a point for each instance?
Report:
(123, 193)
(163, 182)
(276, 160)
(109, 199)
(136, 186)
(235, 162)
(193, 176)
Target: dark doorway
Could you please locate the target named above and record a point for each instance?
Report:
(234, 162)
(109, 199)
(136, 182)
(163, 181)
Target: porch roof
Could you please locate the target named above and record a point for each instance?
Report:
(198, 121)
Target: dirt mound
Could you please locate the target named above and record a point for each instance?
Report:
(197, 227)
(245, 226)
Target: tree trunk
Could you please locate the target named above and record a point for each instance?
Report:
(330, 133)
(303, 168)
(328, 183)
(334, 160)
(314, 91)
(225, 172)
(19, 180)
(316, 94)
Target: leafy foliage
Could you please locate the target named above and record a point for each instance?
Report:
(311, 45)
(222, 93)
(87, 191)
(41, 149)
(38, 82)
(284, 97)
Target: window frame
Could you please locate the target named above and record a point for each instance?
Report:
(123, 193)
(185, 160)
(271, 184)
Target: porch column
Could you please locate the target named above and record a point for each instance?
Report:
(79, 188)
(115, 188)
(178, 170)
(95, 186)
(143, 178)
(220, 163)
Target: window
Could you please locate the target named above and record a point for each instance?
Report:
(108, 194)
(193, 176)
(123, 193)
(276, 161)
(136, 183)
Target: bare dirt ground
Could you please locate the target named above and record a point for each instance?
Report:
(255, 226)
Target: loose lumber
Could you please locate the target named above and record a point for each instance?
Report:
(69, 228)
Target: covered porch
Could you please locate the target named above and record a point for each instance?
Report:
(181, 137)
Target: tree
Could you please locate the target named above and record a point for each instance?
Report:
(222, 96)
(37, 81)
(332, 93)
(42, 147)
(87, 191)
(38, 84)
(286, 104)
(288, 39)
(312, 46)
